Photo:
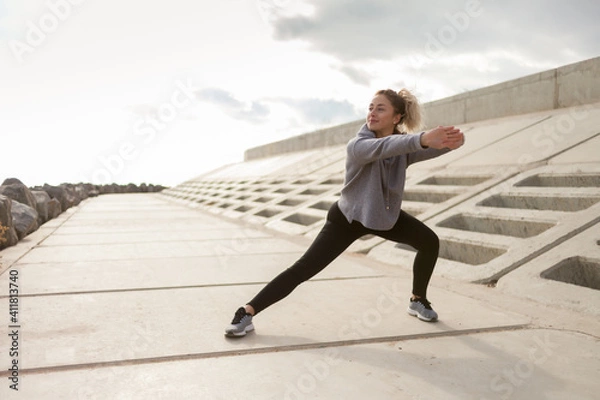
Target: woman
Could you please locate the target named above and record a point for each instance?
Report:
(370, 203)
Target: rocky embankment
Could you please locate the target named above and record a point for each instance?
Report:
(23, 210)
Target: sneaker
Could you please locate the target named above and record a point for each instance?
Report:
(421, 308)
(240, 325)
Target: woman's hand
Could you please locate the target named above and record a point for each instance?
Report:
(443, 137)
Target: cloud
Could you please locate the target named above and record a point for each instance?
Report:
(356, 75)
(311, 111)
(539, 32)
(272, 10)
(254, 111)
(323, 111)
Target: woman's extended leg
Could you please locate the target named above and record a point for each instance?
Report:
(334, 238)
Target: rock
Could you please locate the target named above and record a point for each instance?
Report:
(81, 191)
(59, 193)
(92, 190)
(24, 219)
(8, 234)
(42, 199)
(110, 189)
(54, 209)
(10, 181)
(17, 191)
(155, 188)
(72, 196)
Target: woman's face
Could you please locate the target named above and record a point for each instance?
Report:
(381, 118)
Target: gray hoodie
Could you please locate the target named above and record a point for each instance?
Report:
(375, 176)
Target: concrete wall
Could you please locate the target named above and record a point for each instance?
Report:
(336, 135)
(566, 86)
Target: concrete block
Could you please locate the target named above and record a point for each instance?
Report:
(540, 280)
(481, 139)
(585, 152)
(539, 142)
(497, 231)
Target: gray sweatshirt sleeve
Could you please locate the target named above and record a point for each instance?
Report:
(368, 149)
(425, 154)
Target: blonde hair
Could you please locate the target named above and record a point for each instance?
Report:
(406, 104)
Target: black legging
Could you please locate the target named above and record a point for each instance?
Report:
(335, 237)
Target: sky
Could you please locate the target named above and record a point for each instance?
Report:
(160, 92)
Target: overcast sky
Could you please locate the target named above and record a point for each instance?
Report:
(162, 91)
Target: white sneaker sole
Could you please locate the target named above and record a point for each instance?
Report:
(422, 318)
(249, 328)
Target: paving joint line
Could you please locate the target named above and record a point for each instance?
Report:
(267, 350)
(155, 258)
(224, 239)
(211, 285)
(571, 147)
(75, 209)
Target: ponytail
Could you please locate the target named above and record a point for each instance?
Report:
(412, 120)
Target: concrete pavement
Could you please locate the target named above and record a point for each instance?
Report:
(127, 296)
